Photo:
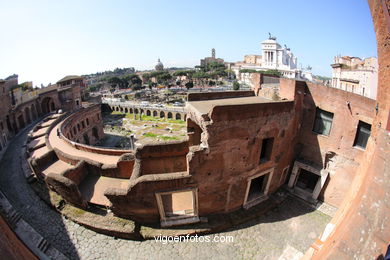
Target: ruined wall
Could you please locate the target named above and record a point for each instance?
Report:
(85, 127)
(360, 228)
(335, 152)
(163, 158)
(233, 154)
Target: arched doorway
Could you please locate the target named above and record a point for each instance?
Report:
(95, 133)
(47, 105)
(155, 113)
(178, 116)
(162, 114)
(169, 115)
(148, 112)
(34, 111)
(27, 115)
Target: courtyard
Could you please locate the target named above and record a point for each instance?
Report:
(118, 128)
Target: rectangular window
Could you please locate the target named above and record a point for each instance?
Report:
(323, 122)
(362, 134)
(266, 149)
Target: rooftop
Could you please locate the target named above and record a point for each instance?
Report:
(205, 106)
(70, 77)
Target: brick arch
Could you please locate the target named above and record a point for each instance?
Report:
(27, 115)
(47, 105)
(34, 111)
(178, 116)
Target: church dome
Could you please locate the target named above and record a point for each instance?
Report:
(159, 65)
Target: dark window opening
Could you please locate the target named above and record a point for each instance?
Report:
(257, 187)
(307, 180)
(95, 133)
(266, 149)
(323, 122)
(362, 134)
(86, 139)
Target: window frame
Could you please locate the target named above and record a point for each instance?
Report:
(360, 124)
(318, 117)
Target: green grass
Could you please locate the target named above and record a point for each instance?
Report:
(166, 138)
(149, 134)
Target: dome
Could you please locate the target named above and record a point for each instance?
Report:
(159, 65)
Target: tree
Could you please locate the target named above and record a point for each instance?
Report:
(178, 83)
(180, 73)
(189, 85)
(211, 83)
(115, 81)
(164, 78)
(236, 85)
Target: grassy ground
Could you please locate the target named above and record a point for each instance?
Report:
(147, 129)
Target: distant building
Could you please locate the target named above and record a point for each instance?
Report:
(356, 75)
(159, 66)
(207, 60)
(274, 57)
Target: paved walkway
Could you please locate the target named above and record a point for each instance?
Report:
(287, 230)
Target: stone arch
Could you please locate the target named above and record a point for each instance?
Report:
(122, 109)
(47, 105)
(86, 138)
(95, 133)
(131, 111)
(126, 110)
(155, 113)
(185, 117)
(142, 111)
(27, 115)
(148, 113)
(34, 111)
(169, 115)
(136, 111)
(21, 121)
(178, 116)
(162, 114)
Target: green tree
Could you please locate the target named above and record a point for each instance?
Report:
(236, 85)
(189, 85)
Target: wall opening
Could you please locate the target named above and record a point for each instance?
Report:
(178, 207)
(257, 188)
(266, 149)
(307, 181)
(322, 122)
(194, 133)
(95, 133)
(362, 134)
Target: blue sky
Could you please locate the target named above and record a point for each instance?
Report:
(44, 41)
